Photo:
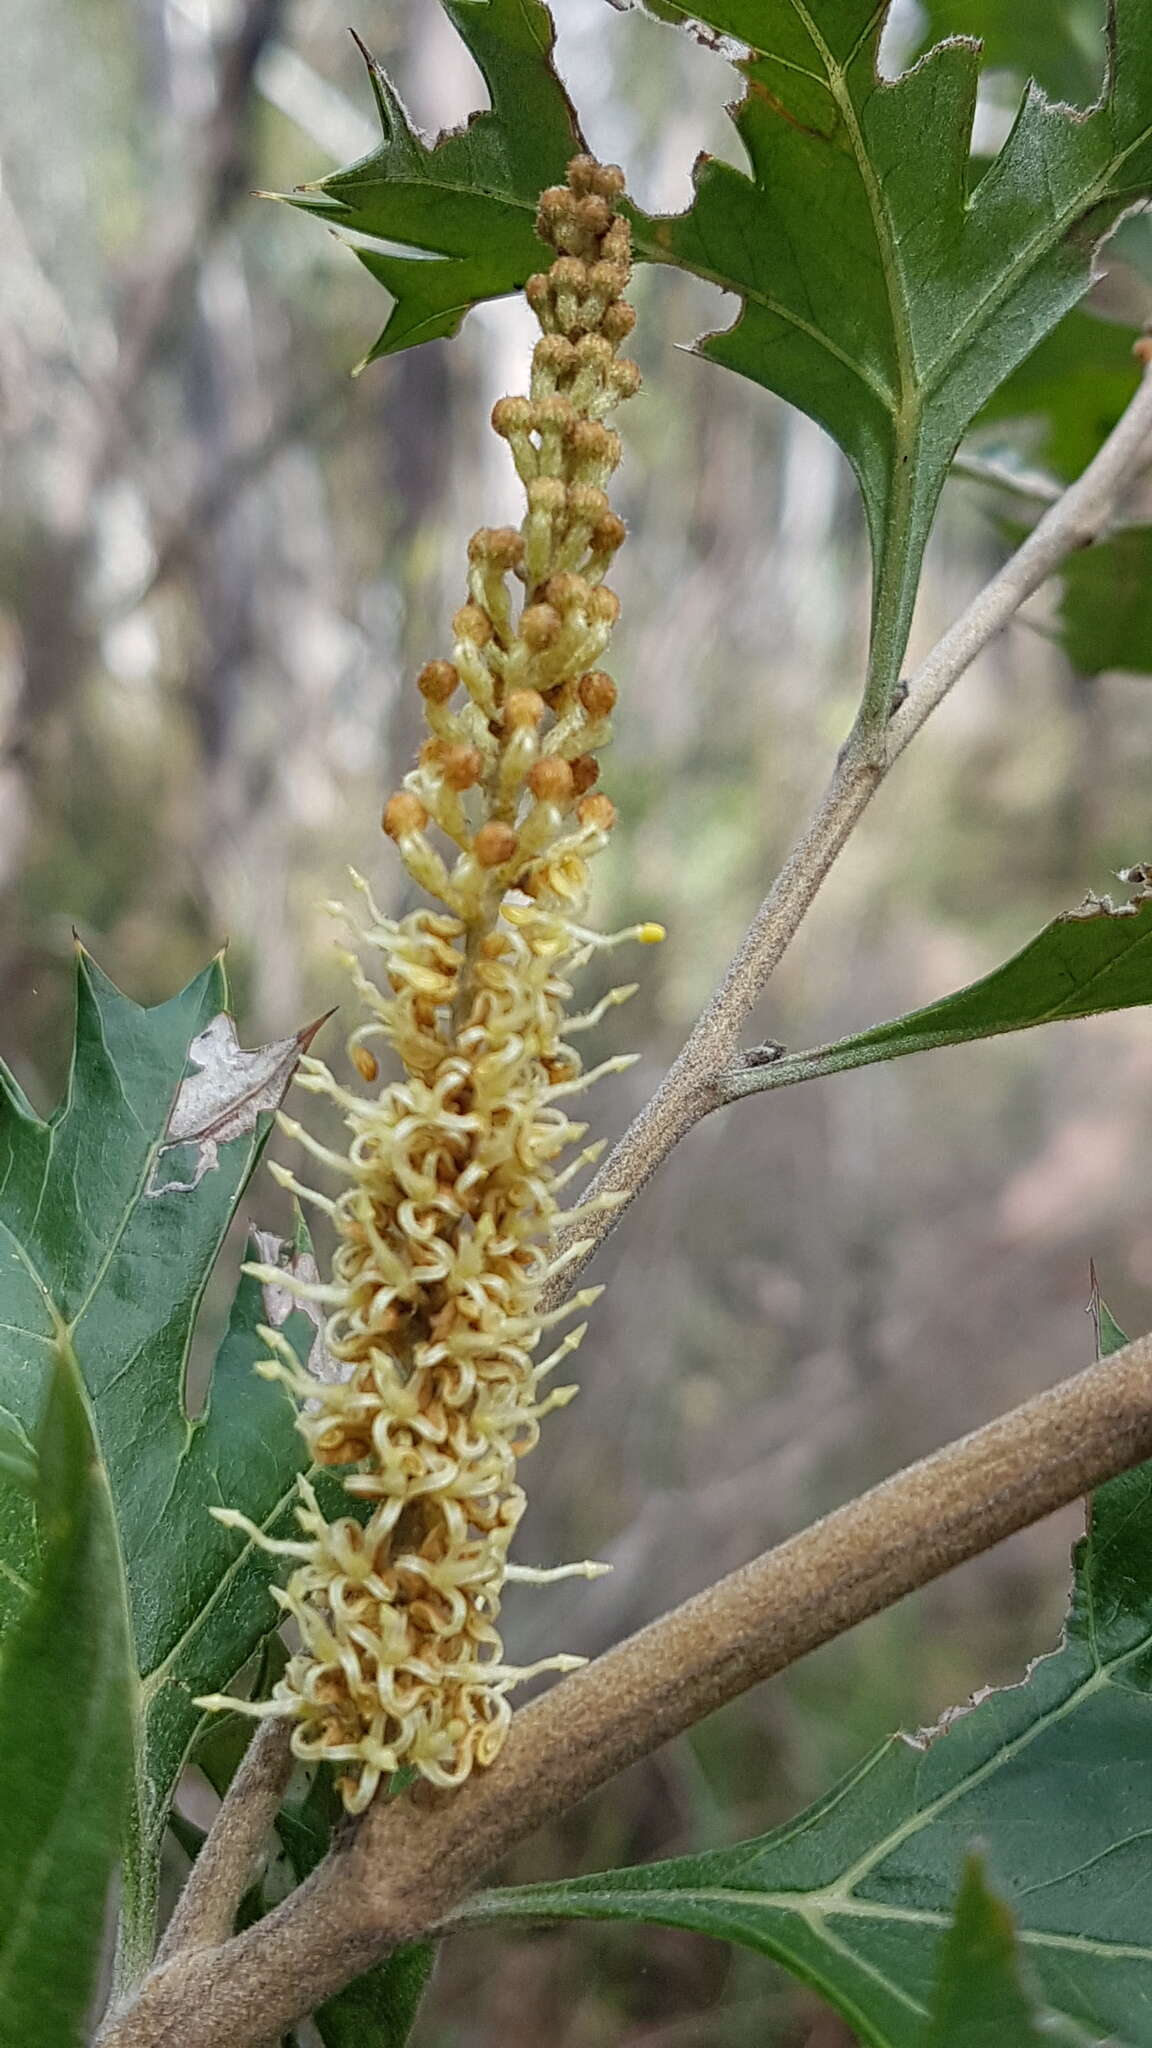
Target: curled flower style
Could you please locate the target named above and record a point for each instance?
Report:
(448, 1225)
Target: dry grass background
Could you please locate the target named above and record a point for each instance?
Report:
(221, 563)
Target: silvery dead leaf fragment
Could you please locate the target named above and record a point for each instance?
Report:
(279, 1303)
(229, 1091)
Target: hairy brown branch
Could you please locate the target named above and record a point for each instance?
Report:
(693, 1085)
(407, 1867)
(230, 1858)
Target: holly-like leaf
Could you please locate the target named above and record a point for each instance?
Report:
(1086, 962)
(92, 1254)
(879, 293)
(855, 1896)
(65, 1742)
(471, 196)
(983, 1996)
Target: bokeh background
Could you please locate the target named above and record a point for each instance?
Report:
(222, 561)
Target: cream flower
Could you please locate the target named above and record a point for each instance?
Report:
(449, 1221)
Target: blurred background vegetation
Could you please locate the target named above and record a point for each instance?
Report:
(222, 561)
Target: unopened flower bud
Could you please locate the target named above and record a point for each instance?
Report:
(603, 605)
(554, 353)
(624, 377)
(597, 693)
(366, 1065)
(585, 773)
(591, 441)
(617, 321)
(472, 623)
(551, 780)
(557, 414)
(547, 494)
(539, 626)
(403, 813)
(608, 278)
(608, 534)
(462, 766)
(569, 274)
(437, 681)
(567, 591)
(596, 813)
(595, 353)
(501, 547)
(494, 844)
(538, 291)
(593, 214)
(586, 504)
(512, 416)
(523, 707)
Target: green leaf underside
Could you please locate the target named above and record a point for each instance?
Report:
(1052, 1776)
(1106, 604)
(471, 197)
(89, 1256)
(879, 293)
(65, 1705)
(1081, 965)
(982, 1997)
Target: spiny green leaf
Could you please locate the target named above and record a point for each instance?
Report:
(471, 196)
(65, 1741)
(1086, 962)
(880, 294)
(855, 1896)
(107, 1241)
(982, 1998)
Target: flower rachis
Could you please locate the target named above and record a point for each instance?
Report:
(447, 1226)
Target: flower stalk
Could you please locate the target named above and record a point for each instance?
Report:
(449, 1218)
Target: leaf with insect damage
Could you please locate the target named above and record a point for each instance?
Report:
(94, 1253)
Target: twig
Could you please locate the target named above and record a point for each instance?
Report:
(410, 1863)
(230, 1857)
(694, 1084)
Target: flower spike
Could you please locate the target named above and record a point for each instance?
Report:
(448, 1221)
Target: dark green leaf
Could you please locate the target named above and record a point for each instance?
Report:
(1087, 961)
(65, 1742)
(108, 1237)
(878, 293)
(982, 1999)
(1059, 43)
(471, 196)
(1106, 606)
